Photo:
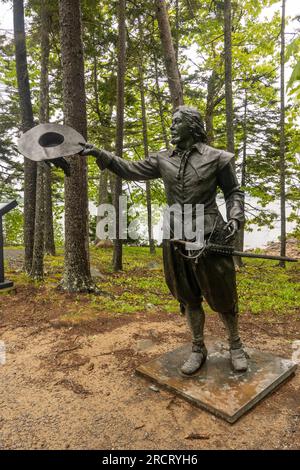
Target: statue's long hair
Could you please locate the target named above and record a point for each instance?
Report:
(195, 122)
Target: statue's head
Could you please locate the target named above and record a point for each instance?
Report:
(187, 122)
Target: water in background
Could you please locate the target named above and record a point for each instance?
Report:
(257, 238)
(261, 236)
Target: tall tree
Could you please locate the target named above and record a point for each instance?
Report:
(49, 242)
(30, 168)
(228, 75)
(77, 275)
(37, 269)
(213, 98)
(171, 65)
(228, 96)
(282, 141)
(117, 255)
(145, 141)
(159, 99)
(177, 32)
(47, 13)
(244, 163)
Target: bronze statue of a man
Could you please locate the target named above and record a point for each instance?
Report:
(191, 173)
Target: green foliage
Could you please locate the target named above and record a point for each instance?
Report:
(293, 55)
(197, 29)
(13, 227)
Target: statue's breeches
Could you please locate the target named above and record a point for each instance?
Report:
(213, 278)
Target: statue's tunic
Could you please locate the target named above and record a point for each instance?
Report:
(192, 177)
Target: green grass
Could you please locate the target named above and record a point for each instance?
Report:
(263, 287)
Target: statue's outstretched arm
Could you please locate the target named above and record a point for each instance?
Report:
(135, 171)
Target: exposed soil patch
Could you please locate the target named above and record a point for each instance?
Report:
(69, 379)
(74, 386)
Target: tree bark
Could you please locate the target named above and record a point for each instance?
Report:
(37, 269)
(244, 165)
(282, 141)
(177, 17)
(228, 76)
(245, 137)
(160, 106)
(229, 100)
(171, 65)
(209, 111)
(49, 244)
(27, 122)
(145, 144)
(103, 178)
(77, 275)
(118, 245)
(95, 80)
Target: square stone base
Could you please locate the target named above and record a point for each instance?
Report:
(215, 387)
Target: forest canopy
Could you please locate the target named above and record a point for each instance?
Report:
(223, 57)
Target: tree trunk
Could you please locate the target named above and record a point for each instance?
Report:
(49, 246)
(177, 15)
(241, 234)
(209, 111)
(95, 80)
(228, 99)
(103, 178)
(169, 53)
(245, 136)
(103, 197)
(145, 143)
(37, 269)
(117, 255)
(160, 106)
(282, 142)
(228, 76)
(77, 275)
(30, 168)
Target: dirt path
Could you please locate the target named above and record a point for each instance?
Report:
(75, 387)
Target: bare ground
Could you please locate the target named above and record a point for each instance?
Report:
(75, 387)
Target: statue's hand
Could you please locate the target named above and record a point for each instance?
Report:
(60, 163)
(90, 149)
(103, 158)
(232, 227)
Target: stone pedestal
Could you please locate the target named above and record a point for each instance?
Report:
(215, 387)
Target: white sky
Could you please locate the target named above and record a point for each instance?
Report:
(6, 21)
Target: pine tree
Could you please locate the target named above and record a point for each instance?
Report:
(30, 168)
(77, 275)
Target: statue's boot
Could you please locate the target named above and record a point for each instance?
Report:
(195, 318)
(238, 357)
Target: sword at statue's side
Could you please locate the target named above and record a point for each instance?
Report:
(224, 250)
